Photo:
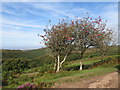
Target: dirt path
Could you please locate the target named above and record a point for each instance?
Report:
(105, 81)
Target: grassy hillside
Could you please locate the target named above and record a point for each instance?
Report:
(36, 66)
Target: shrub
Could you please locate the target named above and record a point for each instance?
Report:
(44, 84)
(118, 67)
(95, 64)
(28, 86)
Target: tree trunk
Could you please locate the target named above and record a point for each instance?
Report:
(80, 65)
(81, 56)
(55, 64)
(58, 64)
(63, 60)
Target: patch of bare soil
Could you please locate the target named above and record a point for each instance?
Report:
(105, 81)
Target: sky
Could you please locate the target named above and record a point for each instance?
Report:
(23, 21)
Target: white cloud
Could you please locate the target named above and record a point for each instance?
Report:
(20, 24)
(56, 10)
(21, 39)
(24, 25)
(21, 11)
(111, 14)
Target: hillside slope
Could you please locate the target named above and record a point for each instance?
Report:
(36, 67)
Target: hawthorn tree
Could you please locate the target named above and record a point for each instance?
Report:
(59, 40)
(89, 32)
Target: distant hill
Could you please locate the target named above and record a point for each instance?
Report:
(36, 53)
(24, 53)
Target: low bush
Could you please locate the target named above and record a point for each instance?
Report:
(118, 66)
(28, 86)
(95, 64)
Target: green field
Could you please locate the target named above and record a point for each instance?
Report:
(36, 66)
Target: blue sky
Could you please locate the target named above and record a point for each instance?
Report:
(22, 21)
